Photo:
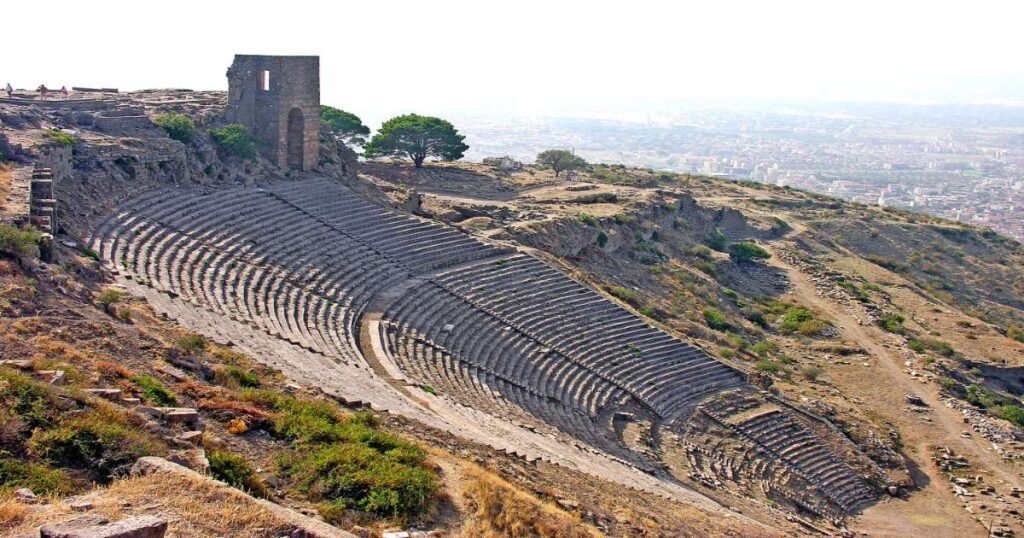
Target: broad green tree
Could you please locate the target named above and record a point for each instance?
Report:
(346, 126)
(560, 161)
(417, 137)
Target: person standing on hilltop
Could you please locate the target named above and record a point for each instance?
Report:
(9, 90)
(42, 91)
(64, 92)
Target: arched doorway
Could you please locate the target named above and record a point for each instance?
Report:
(296, 126)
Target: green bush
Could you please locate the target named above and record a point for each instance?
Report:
(154, 391)
(589, 220)
(27, 401)
(764, 348)
(233, 470)
(766, 367)
(95, 443)
(893, 323)
(19, 242)
(193, 343)
(234, 376)
(916, 346)
(602, 238)
(1012, 413)
(624, 218)
(624, 294)
(387, 480)
(715, 319)
(747, 252)
(109, 297)
(812, 327)
(178, 126)
(717, 241)
(936, 346)
(41, 479)
(345, 462)
(793, 318)
(1015, 333)
(236, 140)
(60, 137)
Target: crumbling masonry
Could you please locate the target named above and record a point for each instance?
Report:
(278, 99)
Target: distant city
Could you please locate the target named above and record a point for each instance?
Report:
(961, 162)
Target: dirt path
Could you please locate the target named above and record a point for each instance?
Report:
(933, 511)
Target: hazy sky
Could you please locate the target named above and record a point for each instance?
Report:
(379, 57)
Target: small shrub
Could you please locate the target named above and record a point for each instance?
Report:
(624, 218)
(589, 220)
(193, 343)
(649, 312)
(698, 251)
(726, 353)
(715, 319)
(154, 391)
(60, 137)
(793, 317)
(233, 470)
(178, 126)
(811, 373)
(766, 367)
(893, 323)
(235, 139)
(916, 346)
(16, 473)
(812, 327)
(624, 294)
(91, 254)
(1015, 333)
(602, 239)
(109, 297)
(93, 443)
(234, 376)
(19, 242)
(717, 241)
(428, 389)
(937, 346)
(764, 348)
(708, 268)
(747, 252)
(1012, 413)
(390, 483)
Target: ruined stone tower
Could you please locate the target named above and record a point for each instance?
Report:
(278, 99)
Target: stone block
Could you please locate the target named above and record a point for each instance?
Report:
(109, 394)
(135, 527)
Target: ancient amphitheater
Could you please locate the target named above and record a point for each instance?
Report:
(482, 339)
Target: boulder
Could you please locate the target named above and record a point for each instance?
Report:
(135, 527)
(25, 495)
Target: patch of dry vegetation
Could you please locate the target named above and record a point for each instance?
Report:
(499, 509)
(193, 506)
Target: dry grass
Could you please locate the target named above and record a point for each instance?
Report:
(194, 507)
(497, 509)
(12, 513)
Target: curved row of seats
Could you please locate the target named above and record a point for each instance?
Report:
(249, 255)
(490, 390)
(786, 440)
(505, 331)
(536, 300)
(420, 245)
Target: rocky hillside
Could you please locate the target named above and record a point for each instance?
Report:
(903, 330)
(897, 338)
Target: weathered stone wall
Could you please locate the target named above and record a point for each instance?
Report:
(285, 115)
